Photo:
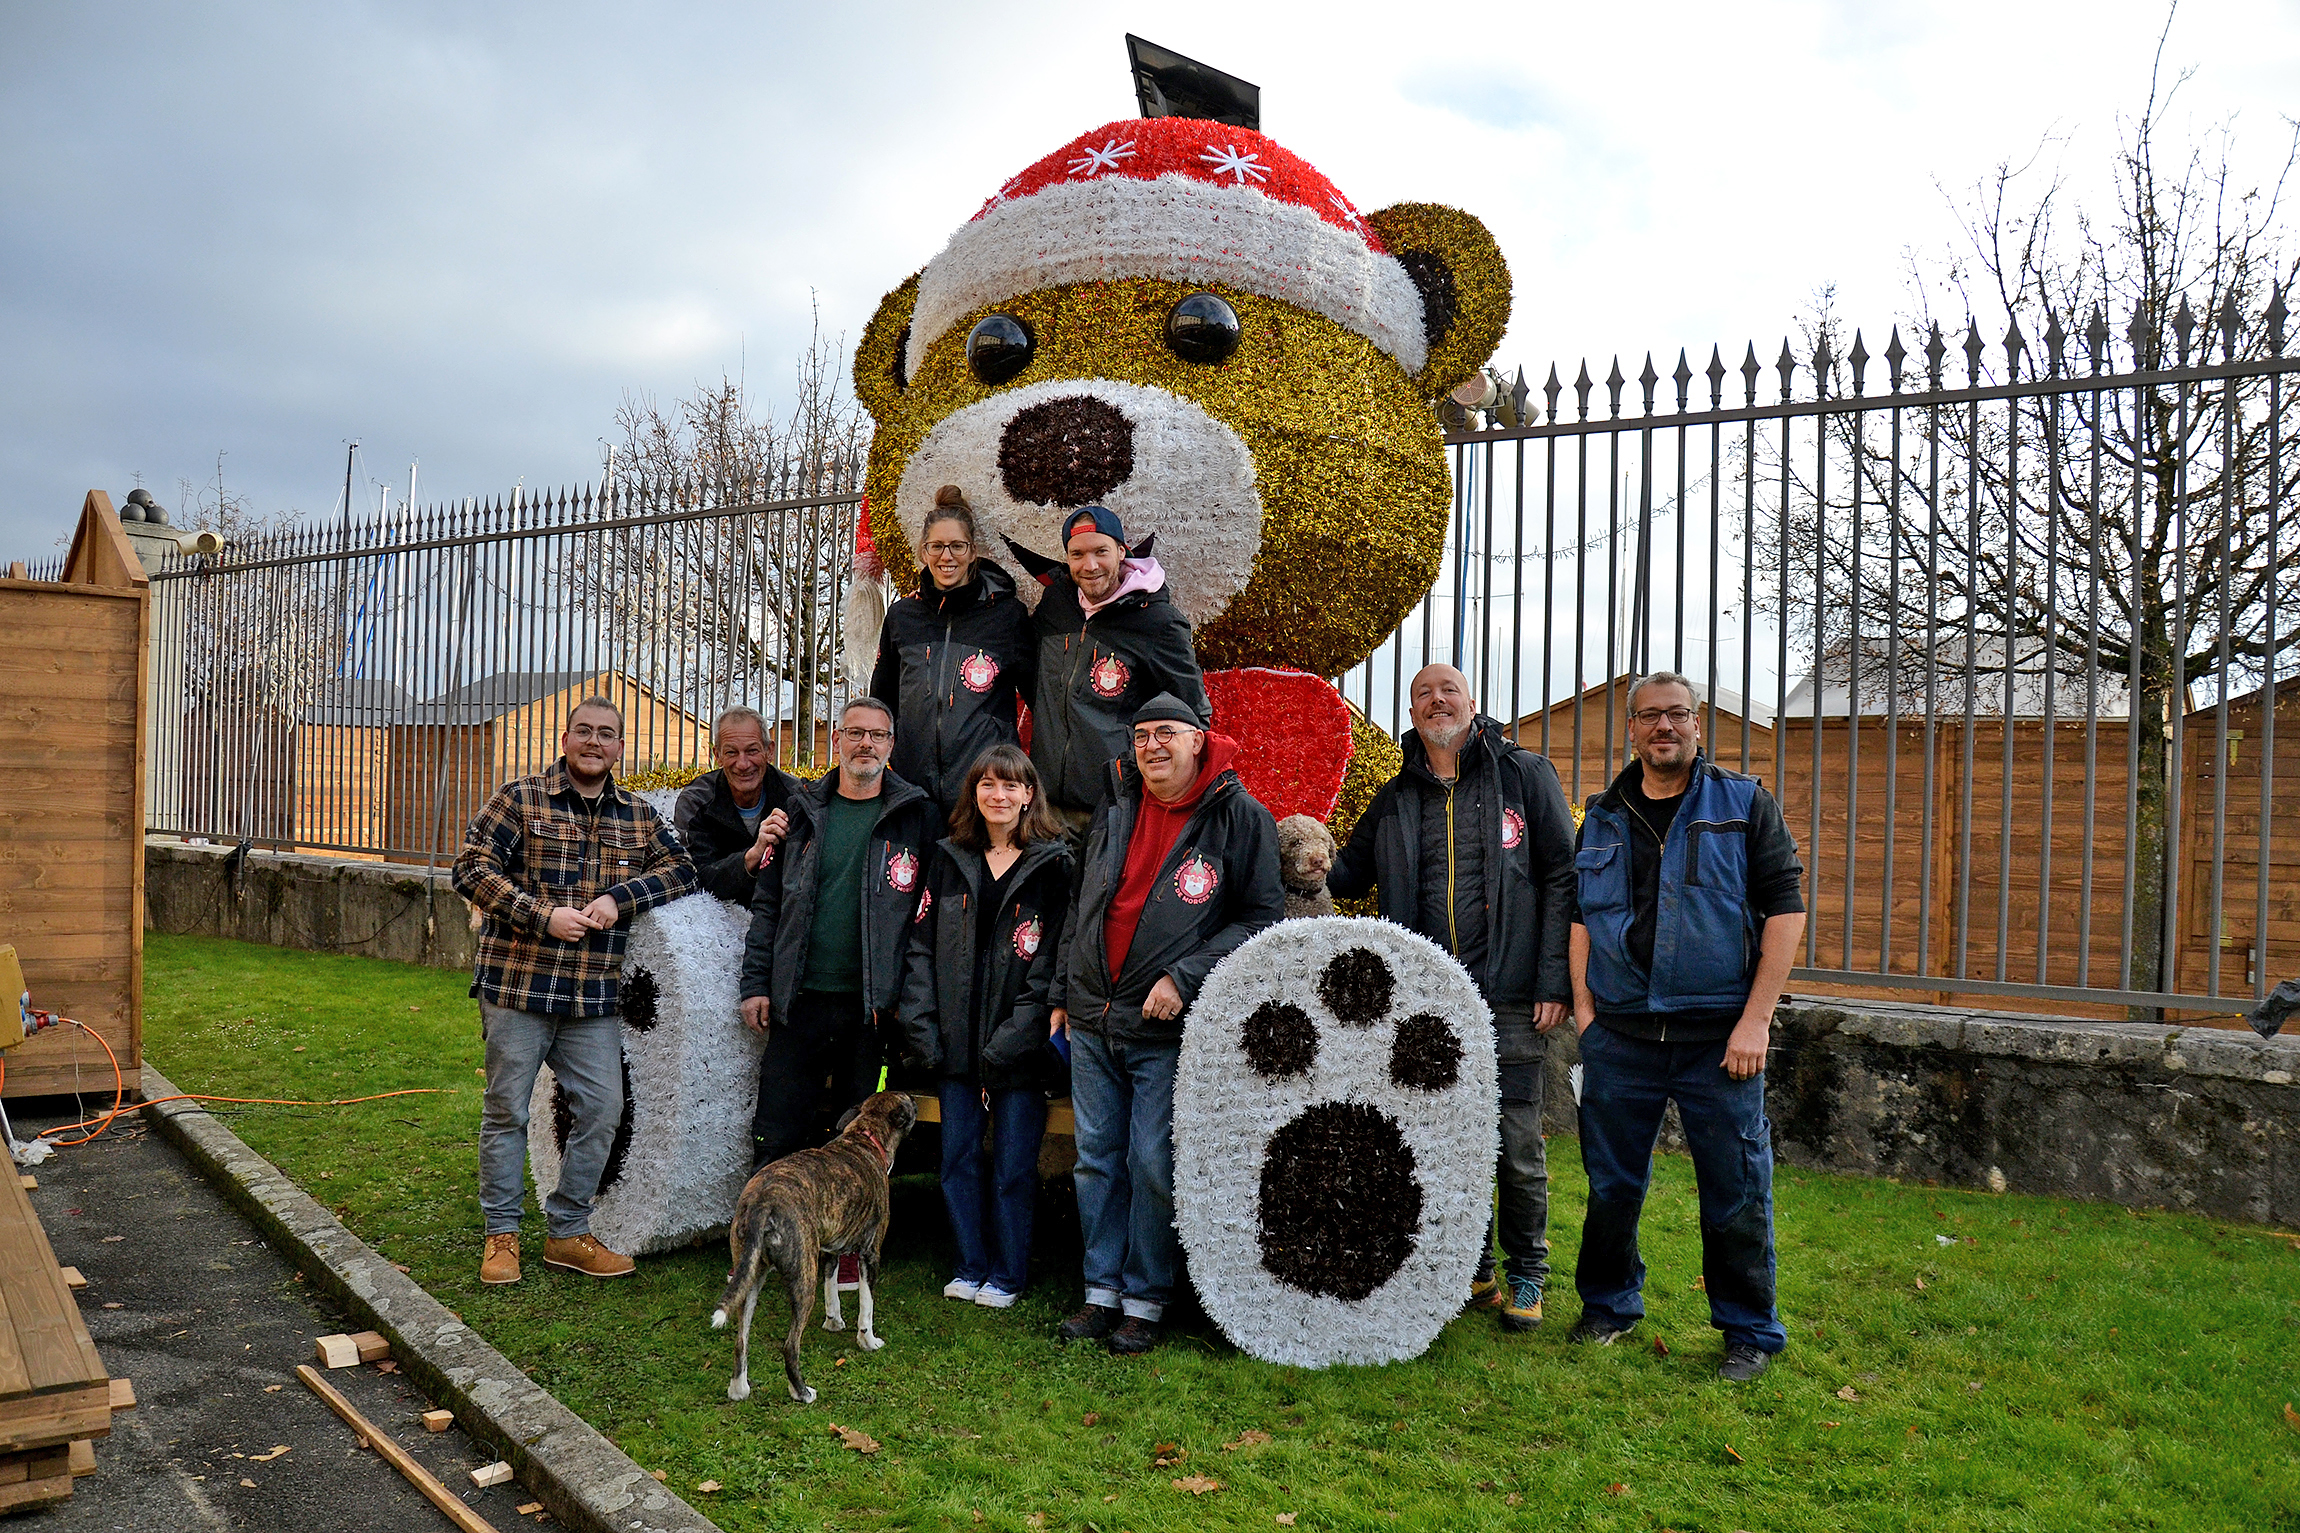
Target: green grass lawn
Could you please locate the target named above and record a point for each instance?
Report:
(2051, 1365)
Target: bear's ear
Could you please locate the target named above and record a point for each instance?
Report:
(1463, 281)
(881, 359)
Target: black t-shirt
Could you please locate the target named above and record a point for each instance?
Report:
(986, 921)
(1656, 815)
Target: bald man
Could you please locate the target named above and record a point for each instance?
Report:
(1472, 846)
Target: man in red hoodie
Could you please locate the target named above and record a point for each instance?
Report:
(1181, 867)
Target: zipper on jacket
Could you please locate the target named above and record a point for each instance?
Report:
(1452, 931)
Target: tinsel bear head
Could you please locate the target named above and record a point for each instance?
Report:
(1290, 468)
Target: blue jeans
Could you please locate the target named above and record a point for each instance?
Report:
(990, 1220)
(1123, 1098)
(586, 1054)
(1625, 1082)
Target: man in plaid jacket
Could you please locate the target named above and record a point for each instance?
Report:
(556, 863)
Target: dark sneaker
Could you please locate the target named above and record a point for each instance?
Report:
(1595, 1330)
(1484, 1293)
(1134, 1335)
(1522, 1312)
(1743, 1362)
(1090, 1324)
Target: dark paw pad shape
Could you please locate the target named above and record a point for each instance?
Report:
(1334, 1133)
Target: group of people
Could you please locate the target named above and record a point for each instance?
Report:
(1001, 924)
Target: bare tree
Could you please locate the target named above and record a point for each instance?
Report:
(742, 608)
(2126, 537)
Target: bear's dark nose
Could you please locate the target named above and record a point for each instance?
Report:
(1066, 452)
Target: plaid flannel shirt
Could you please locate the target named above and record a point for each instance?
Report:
(538, 845)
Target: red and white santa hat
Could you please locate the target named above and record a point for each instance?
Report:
(1182, 200)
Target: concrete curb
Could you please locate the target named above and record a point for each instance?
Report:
(582, 1478)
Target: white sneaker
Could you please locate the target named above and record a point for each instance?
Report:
(963, 1291)
(994, 1298)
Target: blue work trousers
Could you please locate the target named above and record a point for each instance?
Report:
(1625, 1083)
(990, 1217)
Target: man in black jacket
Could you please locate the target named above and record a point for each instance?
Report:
(730, 817)
(1181, 868)
(1471, 845)
(829, 919)
(1109, 639)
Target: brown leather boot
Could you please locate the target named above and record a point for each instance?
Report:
(582, 1253)
(500, 1263)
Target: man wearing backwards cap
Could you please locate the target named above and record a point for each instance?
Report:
(1109, 639)
(1181, 868)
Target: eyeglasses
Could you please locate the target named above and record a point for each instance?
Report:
(1165, 736)
(868, 736)
(605, 735)
(947, 550)
(1651, 716)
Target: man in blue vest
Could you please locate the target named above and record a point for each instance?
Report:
(1690, 913)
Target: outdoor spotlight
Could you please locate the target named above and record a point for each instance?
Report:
(1169, 85)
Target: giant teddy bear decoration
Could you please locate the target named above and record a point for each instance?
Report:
(1193, 326)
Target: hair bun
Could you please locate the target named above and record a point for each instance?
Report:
(951, 495)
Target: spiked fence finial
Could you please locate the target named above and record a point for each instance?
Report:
(2275, 318)
(1716, 374)
(1858, 360)
(1974, 346)
(1613, 385)
(1520, 397)
(2229, 325)
(2055, 340)
(1552, 389)
(2096, 339)
(2184, 327)
(1750, 369)
(1895, 355)
(1683, 378)
(1581, 388)
(1935, 350)
(1788, 368)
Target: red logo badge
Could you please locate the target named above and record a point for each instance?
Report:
(1026, 935)
(925, 904)
(1196, 880)
(902, 871)
(977, 671)
(1109, 676)
(1512, 827)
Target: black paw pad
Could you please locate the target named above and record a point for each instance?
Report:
(1339, 1203)
(1426, 1055)
(1356, 987)
(1279, 1040)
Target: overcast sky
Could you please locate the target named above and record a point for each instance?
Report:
(460, 233)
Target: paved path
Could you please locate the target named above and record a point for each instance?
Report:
(185, 1299)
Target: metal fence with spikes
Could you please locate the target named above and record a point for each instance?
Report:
(2015, 648)
(361, 689)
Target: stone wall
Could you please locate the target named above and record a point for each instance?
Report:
(2199, 1119)
(323, 904)
(2163, 1117)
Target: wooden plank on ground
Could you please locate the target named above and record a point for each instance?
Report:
(81, 1458)
(50, 1420)
(42, 1314)
(15, 1379)
(36, 1493)
(123, 1394)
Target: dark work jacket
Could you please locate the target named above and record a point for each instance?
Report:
(1233, 835)
(1522, 898)
(716, 837)
(993, 1038)
(1727, 842)
(1093, 673)
(951, 664)
(783, 898)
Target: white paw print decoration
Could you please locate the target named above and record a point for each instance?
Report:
(1335, 1126)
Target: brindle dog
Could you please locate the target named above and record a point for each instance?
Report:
(799, 1215)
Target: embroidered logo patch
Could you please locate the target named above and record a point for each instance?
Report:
(977, 671)
(1109, 676)
(902, 871)
(1026, 935)
(1512, 827)
(925, 904)
(1196, 880)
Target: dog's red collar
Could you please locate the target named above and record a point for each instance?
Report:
(874, 1144)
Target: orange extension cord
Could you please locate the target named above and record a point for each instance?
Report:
(120, 1094)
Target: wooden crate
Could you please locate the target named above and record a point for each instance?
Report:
(53, 1387)
(72, 742)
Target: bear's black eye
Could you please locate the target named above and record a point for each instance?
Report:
(1203, 328)
(998, 347)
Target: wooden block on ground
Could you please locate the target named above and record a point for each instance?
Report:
(83, 1458)
(123, 1395)
(372, 1347)
(530, 1508)
(13, 1470)
(72, 1278)
(336, 1352)
(32, 1493)
(27, 1182)
(497, 1473)
(438, 1421)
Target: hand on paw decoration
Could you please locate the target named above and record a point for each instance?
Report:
(1335, 1125)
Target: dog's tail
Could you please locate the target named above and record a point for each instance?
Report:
(750, 1265)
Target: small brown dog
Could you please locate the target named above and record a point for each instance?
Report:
(800, 1215)
(1305, 857)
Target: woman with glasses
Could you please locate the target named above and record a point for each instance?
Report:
(954, 658)
(974, 1010)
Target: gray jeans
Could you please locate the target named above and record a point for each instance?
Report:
(1523, 1166)
(586, 1054)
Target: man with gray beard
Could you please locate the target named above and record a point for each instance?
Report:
(1471, 845)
